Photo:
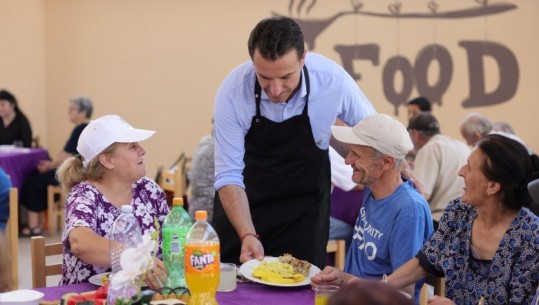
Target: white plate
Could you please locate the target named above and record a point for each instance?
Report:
(21, 297)
(247, 271)
(96, 278)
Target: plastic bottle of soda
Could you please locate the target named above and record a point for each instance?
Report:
(175, 229)
(125, 234)
(202, 263)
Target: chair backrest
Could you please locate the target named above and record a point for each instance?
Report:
(40, 269)
(175, 179)
(56, 198)
(337, 246)
(13, 236)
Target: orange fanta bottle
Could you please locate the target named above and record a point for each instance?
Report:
(202, 261)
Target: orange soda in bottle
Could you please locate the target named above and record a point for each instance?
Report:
(202, 260)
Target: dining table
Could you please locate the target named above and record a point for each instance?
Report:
(245, 293)
(20, 163)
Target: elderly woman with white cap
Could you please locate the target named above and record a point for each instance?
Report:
(108, 172)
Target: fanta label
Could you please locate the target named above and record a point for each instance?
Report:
(201, 259)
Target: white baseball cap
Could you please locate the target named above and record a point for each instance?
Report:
(379, 131)
(103, 132)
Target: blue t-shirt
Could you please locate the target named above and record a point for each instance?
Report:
(388, 233)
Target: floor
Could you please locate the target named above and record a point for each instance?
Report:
(25, 261)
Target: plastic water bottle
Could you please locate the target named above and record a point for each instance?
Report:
(125, 234)
(175, 229)
(202, 261)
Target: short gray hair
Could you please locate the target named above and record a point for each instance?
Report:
(83, 104)
(476, 123)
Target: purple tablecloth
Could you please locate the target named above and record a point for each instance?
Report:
(245, 293)
(20, 164)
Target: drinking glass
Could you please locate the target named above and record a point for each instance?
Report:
(227, 281)
(323, 292)
(17, 143)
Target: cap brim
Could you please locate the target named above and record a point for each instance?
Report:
(346, 135)
(135, 135)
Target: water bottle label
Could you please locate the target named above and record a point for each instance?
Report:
(175, 247)
(201, 259)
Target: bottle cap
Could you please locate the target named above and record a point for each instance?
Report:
(177, 201)
(127, 208)
(201, 215)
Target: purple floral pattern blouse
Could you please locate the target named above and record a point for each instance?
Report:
(87, 207)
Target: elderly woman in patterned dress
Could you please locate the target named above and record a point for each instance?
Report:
(487, 243)
(108, 173)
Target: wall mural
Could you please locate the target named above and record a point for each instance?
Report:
(414, 72)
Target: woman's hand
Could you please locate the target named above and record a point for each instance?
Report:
(156, 277)
(438, 300)
(331, 276)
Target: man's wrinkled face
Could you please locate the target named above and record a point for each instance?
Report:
(366, 165)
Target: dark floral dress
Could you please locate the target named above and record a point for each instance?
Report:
(511, 277)
(87, 207)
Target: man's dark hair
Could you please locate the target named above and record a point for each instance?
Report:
(422, 102)
(275, 36)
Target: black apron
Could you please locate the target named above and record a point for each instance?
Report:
(287, 181)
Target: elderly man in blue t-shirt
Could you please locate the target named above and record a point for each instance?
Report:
(394, 220)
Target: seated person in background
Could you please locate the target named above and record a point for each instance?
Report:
(108, 173)
(5, 184)
(474, 126)
(486, 245)
(437, 162)
(413, 107)
(369, 293)
(15, 126)
(503, 127)
(34, 190)
(343, 189)
(417, 105)
(202, 177)
(394, 220)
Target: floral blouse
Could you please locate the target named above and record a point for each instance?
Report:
(87, 207)
(511, 277)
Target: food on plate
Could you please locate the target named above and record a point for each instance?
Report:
(300, 266)
(104, 278)
(287, 270)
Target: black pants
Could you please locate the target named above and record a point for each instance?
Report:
(34, 190)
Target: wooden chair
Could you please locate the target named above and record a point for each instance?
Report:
(40, 269)
(432, 281)
(337, 246)
(55, 208)
(13, 236)
(175, 178)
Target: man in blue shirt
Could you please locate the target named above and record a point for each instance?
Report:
(394, 220)
(272, 128)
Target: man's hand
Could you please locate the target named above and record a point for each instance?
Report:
(251, 248)
(331, 276)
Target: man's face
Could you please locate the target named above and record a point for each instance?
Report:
(280, 78)
(412, 110)
(367, 167)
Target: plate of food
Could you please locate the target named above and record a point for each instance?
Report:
(99, 279)
(282, 271)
